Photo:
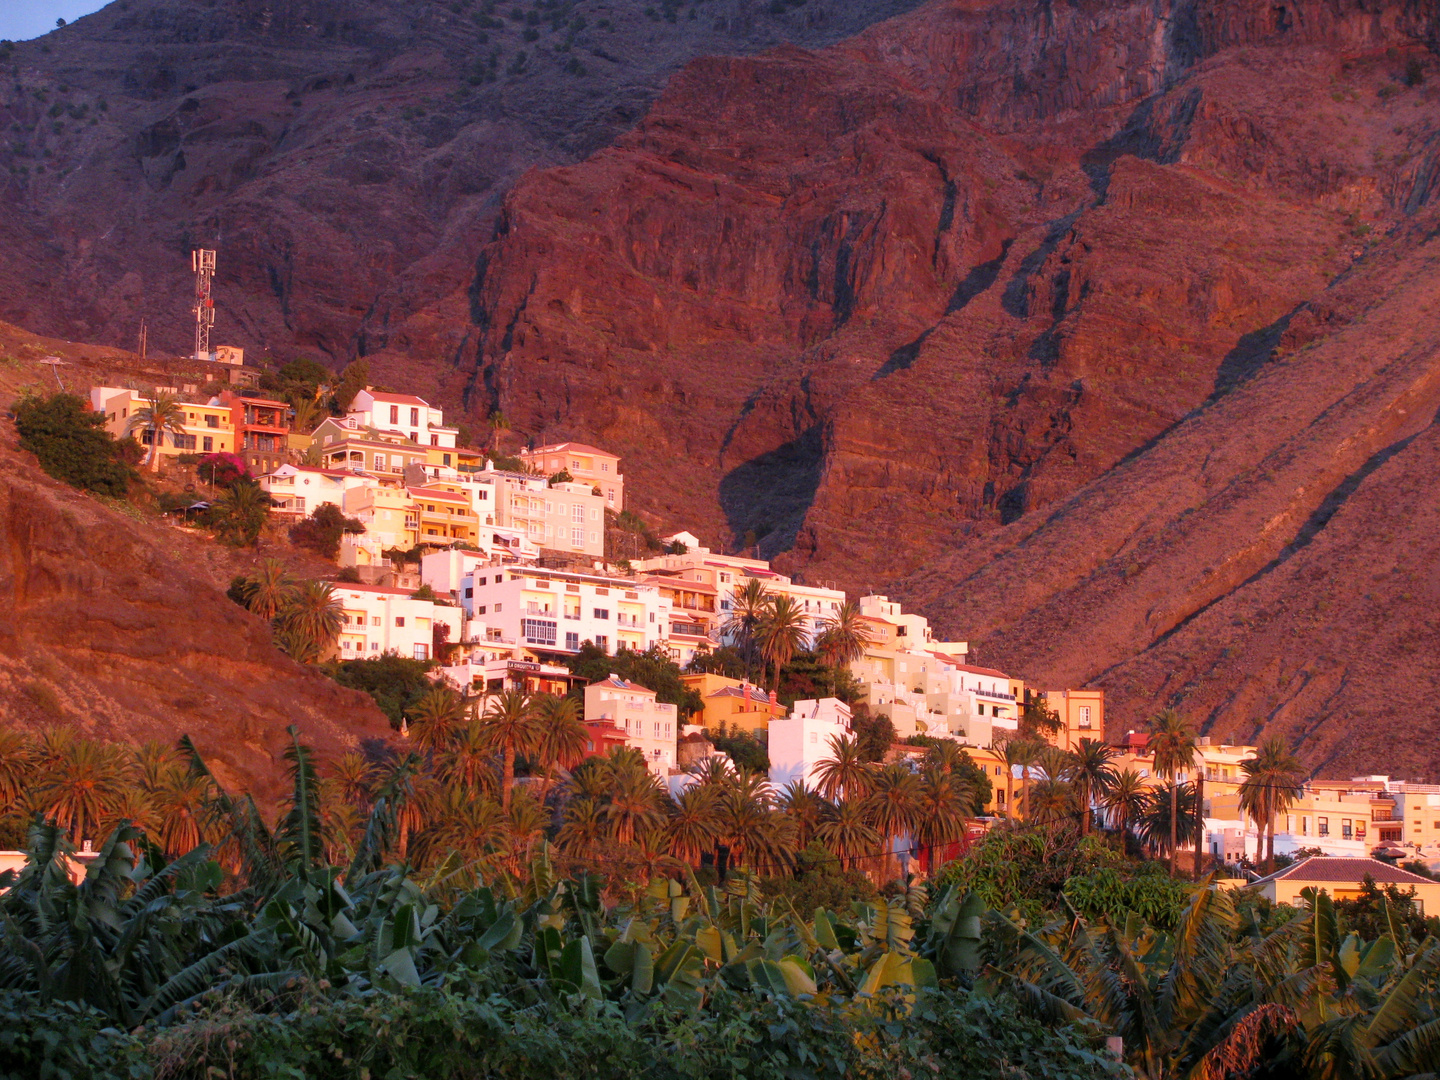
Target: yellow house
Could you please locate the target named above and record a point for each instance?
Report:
(390, 521)
(727, 701)
(208, 429)
(1342, 878)
(444, 517)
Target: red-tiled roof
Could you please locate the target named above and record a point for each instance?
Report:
(1327, 869)
(967, 668)
(397, 399)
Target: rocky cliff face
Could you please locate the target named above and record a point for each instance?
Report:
(346, 157)
(122, 629)
(928, 326)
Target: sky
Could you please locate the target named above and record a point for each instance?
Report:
(21, 20)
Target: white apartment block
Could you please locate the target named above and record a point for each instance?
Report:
(587, 464)
(800, 741)
(554, 611)
(565, 516)
(650, 726)
(728, 574)
(380, 620)
(402, 414)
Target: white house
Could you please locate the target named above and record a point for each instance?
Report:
(300, 489)
(379, 620)
(800, 741)
(402, 414)
(650, 726)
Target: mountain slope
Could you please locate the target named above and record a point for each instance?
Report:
(122, 629)
(345, 157)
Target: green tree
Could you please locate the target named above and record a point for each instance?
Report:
(1093, 775)
(310, 624)
(1274, 779)
(1126, 801)
(562, 737)
(694, 824)
(72, 444)
(394, 682)
(845, 637)
(781, 633)
(269, 589)
(436, 719)
(322, 530)
(510, 727)
(847, 832)
(164, 413)
(1172, 742)
(845, 773)
(240, 513)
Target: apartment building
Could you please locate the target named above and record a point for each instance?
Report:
(405, 415)
(444, 517)
(300, 489)
(390, 520)
(1081, 713)
(554, 611)
(566, 516)
(928, 693)
(695, 601)
(800, 741)
(650, 726)
(379, 620)
(587, 464)
(208, 429)
(729, 573)
(262, 429)
(733, 703)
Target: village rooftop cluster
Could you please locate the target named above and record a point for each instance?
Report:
(513, 580)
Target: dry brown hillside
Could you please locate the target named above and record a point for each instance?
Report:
(119, 626)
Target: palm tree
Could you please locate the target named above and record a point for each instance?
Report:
(806, 808)
(1093, 777)
(1274, 779)
(269, 590)
(1014, 752)
(354, 779)
(847, 832)
(436, 718)
(845, 773)
(634, 808)
(180, 802)
(313, 619)
(1026, 754)
(525, 822)
(1172, 741)
(497, 423)
(17, 762)
(78, 790)
(1052, 802)
(943, 803)
(845, 637)
(582, 829)
(239, 514)
(510, 727)
(748, 605)
(893, 805)
(563, 737)
(465, 825)
(164, 413)
(468, 760)
(781, 633)
(1126, 800)
(308, 413)
(1169, 820)
(694, 824)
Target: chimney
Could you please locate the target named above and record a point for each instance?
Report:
(746, 689)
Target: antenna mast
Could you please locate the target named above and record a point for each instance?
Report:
(203, 263)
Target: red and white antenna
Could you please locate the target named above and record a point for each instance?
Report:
(203, 263)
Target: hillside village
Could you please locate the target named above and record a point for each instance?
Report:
(499, 577)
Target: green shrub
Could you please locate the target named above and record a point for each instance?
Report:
(395, 682)
(64, 1040)
(322, 530)
(1110, 894)
(72, 444)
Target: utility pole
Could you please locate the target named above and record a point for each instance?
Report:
(143, 339)
(203, 263)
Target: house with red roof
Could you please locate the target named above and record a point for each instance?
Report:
(405, 414)
(1343, 878)
(587, 464)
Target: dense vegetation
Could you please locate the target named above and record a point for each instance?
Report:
(73, 445)
(262, 956)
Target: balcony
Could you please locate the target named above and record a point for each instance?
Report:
(994, 695)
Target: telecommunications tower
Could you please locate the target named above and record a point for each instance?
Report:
(203, 263)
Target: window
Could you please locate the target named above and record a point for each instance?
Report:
(183, 442)
(577, 537)
(209, 444)
(379, 462)
(538, 631)
(601, 612)
(414, 416)
(469, 593)
(1084, 716)
(481, 609)
(610, 495)
(394, 414)
(572, 640)
(499, 608)
(814, 737)
(422, 652)
(375, 620)
(435, 441)
(604, 466)
(212, 421)
(602, 642)
(577, 512)
(657, 729)
(594, 513)
(594, 537)
(374, 646)
(1322, 826)
(399, 620)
